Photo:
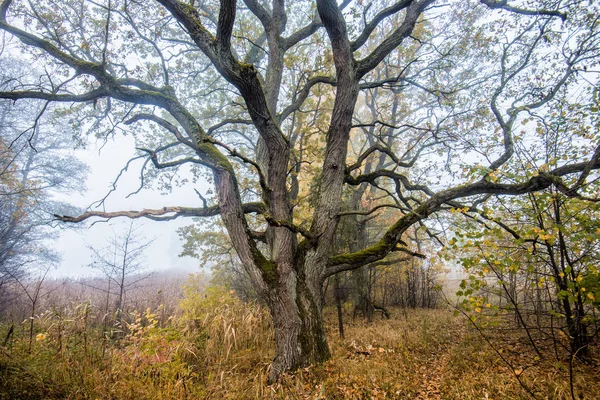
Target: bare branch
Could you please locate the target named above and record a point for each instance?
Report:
(371, 211)
(161, 214)
(162, 165)
(68, 98)
(165, 124)
(289, 225)
(303, 95)
(235, 153)
(503, 4)
(413, 12)
(370, 27)
(382, 149)
(302, 33)
(227, 121)
(4, 8)
(373, 176)
(261, 13)
(586, 171)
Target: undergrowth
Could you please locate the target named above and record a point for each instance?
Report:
(219, 347)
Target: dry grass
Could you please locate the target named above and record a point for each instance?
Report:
(221, 348)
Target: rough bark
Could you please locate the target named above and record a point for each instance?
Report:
(299, 333)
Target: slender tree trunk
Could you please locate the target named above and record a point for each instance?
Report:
(31, 320)
(362, 302)
(339, 305)
(105, 322)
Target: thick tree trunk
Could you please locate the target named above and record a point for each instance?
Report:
(299, 333)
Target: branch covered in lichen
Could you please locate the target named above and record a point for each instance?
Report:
(160, 214)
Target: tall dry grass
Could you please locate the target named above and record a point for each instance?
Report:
(191, 355)
(218, 347)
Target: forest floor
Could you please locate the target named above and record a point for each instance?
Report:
(417, 354)
(431, 354)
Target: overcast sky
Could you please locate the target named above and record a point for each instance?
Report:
(105, 164)
(105, 160)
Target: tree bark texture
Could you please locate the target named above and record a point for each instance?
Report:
(299, 333)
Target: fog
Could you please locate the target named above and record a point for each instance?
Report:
(105, 160)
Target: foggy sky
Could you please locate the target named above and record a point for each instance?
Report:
(105, 162)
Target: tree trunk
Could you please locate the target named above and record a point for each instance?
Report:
(299, 333)
(339, 304)
(363, 303)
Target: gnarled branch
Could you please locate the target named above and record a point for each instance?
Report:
(503, 4)
(160, 214)
(390, 239)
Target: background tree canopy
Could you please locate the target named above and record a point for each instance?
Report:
(312, 119)
(35, 165)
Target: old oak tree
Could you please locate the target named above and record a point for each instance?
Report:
(270, 101)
